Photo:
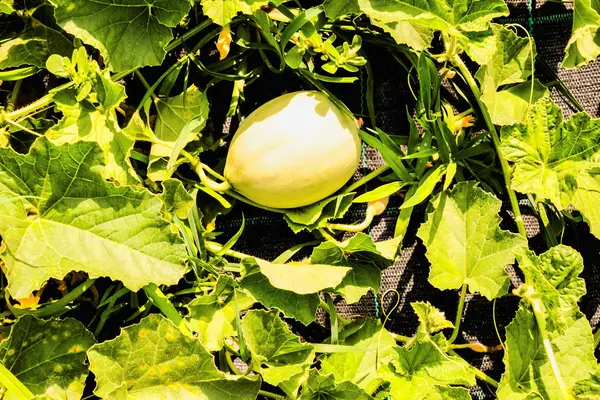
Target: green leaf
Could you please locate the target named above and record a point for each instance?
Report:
(223, 11)
(528, 370)
(301, 278)
(464, 242)
(413, 22)
(59, 215)
(448, 393)
(299, 307)
(84, 121)
(553, 158)
(555, 274)
(33, 47)
(361, 368)
(588, 389)
(276, 351)
(153, 359)
(381, 192)
(213, 315)
(584, 43)
(511, 62)
(174, 115)
(339, 8)
(510, 106)
(324, 387)
(176, 199)
(552, 281)
(421, 371)
(316, 215)
(431, 319)
(362, 256)
(6, 6)
(129, 33)
(48, 356)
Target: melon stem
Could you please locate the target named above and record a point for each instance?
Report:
(361, 226)
(208, 182)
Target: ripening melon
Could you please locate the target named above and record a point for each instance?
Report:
(293, 151)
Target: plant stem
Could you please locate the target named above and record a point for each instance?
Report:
(459, 312)
(10, 106)
(59, 306)
(400, 338)
(139, 75)
(540, 317)
(478, 373)
(166, 307)
(38, 104)
(458, 62)
(549, 236)
(361, 226)
(14, 386)
(270, 395)
(597, 338)
(372, 175)
(477, 347)
(324, 306)
(215, 247)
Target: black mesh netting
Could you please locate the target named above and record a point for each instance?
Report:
(267, 235)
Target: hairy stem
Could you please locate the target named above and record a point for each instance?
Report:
(215, 248)
(270, 395)
(10, 106)
(39, 104)
(458, 62)
(478, 373)
(459, 312)
(540, 317)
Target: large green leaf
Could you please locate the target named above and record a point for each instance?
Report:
(6, 6)
(294, 305)
(33, 47)
(48, 356)
(176, 199)
(413, 22)
(275, 350)
(373, 349)
(362, 256)
(94, 123)
(213, 315)
(584, 44)
(420, 372)
(338, 8)
(59, 215)
(464, 243)
(552, 281)
(223, 11)
(129, 33)
(174, 113)
(511, 63)
(554, 159)
(154, 360)
(324, 387)
(528, 370)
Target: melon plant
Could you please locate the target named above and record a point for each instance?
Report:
(126, 272)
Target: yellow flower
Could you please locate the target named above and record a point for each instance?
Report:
(224, 42)
(464, 122)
